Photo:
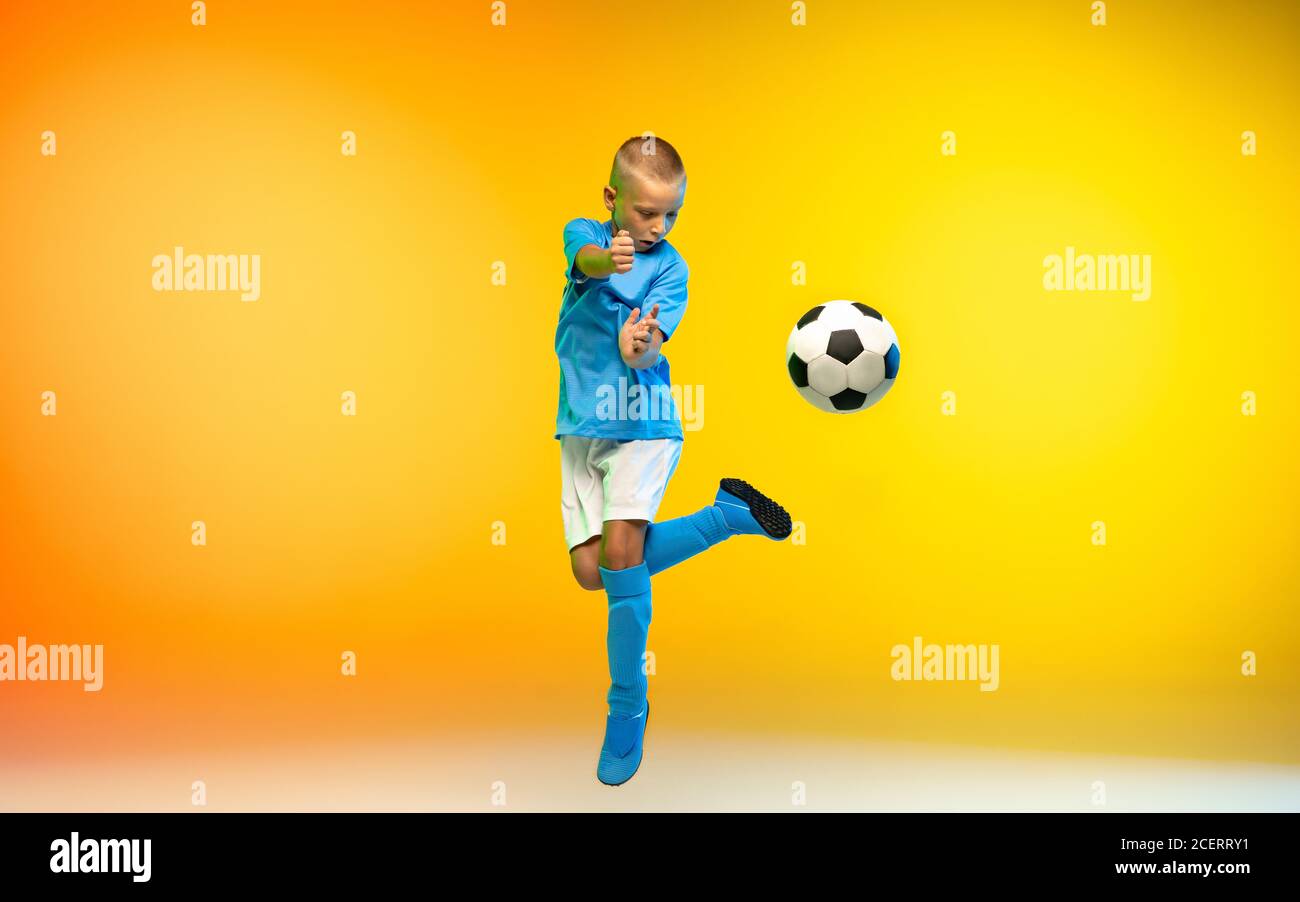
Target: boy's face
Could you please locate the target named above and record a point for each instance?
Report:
(646, 207)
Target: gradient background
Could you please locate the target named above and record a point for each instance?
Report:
(479, 663)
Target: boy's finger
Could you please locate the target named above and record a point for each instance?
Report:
(632, 316)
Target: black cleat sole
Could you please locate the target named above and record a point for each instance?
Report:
(770, 515)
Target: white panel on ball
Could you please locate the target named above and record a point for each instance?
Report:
(866, 371)
(810, 341)
(876, 336)
(828, 376)
(840, 315)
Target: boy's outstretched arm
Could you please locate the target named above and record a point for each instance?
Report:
(598, 262)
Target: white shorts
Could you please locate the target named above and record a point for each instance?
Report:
(605, 479)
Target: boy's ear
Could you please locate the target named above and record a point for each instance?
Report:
(610, 194)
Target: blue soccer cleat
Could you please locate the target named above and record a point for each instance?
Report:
(749, 512)
(620, 756)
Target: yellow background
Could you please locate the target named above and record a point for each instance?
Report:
(476, 144)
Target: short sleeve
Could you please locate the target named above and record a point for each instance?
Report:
(578, 233)
(668, 291)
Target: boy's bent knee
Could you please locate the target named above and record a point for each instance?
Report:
(589, 581)
(583, 560)
(622, 545)
(618, 557)
(587, 573)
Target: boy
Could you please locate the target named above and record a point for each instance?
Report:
(618, 453)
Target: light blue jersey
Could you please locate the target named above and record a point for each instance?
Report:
(600, 395)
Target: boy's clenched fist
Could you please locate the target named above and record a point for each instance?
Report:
(621, 250)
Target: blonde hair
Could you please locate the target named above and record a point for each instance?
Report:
(648, 157)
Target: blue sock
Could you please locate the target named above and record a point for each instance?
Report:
(673, 541)
(629, 626)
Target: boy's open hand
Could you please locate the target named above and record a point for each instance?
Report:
(621, 250)
(638, 336)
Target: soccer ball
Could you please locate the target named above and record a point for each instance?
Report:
(842, 356)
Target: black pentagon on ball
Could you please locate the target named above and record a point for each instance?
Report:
(868, 311)
(844, 345)
(891, 362)
(798, 371)
(848, 399)
(810, 316)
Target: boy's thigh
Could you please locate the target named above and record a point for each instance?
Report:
(609, 480)
(582, 490)
(635, 475)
